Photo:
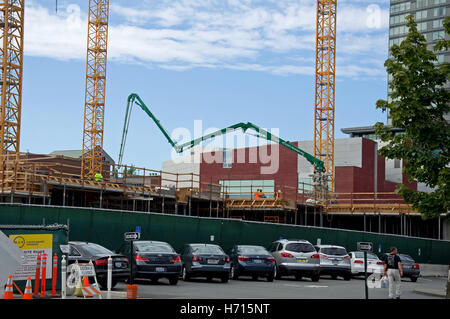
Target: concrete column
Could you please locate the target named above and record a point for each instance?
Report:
(365, 222)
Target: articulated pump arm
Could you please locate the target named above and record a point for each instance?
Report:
(179, 148)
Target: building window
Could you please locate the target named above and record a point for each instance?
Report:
(439, 1)
(439, 12)
(437, 23)
(397, 163)
(421, 14)
(227, 161)
(438, 35)
(422, 3)
(400, 7)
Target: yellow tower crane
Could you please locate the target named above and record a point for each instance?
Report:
(11, 64)
(324, 108)
(94, 107)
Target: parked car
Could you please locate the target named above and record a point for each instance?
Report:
(154, 260)
(254, 261)
(205, 260)
(334, 261)
(295, 257)
(374, 264)
(411, 270)
(83, 252)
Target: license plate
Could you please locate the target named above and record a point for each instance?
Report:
(335, 262)
(160, 269)
(302, 260)
(119, 265)
(213, 261)
(257, 261)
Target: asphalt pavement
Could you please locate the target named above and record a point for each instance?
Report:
(285, 288)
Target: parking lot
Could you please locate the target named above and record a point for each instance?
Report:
(286, 288)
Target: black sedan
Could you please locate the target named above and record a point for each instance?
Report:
(154, 260)
(254, 261)
(205, 260)
(83, 252)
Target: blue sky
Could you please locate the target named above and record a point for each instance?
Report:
(221, 62)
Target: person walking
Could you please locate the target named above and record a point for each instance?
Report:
(394, 270)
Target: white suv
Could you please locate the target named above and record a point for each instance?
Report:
(295, 257)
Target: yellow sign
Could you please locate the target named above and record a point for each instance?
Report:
(32, 245)
(33, 241)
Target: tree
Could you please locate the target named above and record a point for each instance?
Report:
(418, 105)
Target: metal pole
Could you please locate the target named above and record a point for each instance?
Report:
(109, 283)
(365, 275)
(63, 277)
(64, 195)
(131, 262)
(439, 227)
(379, 223)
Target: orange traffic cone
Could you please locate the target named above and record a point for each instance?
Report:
(9, 294)
(85, 281)
(28, 294)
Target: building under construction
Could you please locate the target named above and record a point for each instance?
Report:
(358, 195)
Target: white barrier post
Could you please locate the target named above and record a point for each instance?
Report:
(109, 277)
(63, 277)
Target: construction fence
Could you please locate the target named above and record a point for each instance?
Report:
(106, 227)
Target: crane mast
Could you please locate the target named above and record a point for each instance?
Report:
(11, 71)
(94, 107)
(324, 107)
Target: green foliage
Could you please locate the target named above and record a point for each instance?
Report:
(418, 105)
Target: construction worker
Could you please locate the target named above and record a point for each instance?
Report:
(261, 194)
(257, 194)
(98, 177)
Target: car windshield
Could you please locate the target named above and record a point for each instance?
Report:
(406, 258)
(300, 247)
(95, 249)
(334, 251)
(252, 250)
(146, 247)
(360, 254)
(208, 249)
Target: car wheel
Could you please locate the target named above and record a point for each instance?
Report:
(315, 278)
(333, 277)
(347, 277)
(154, 280)
(413, 279)
(233, 273)
(270, 277)
(173, 280)
(276, 273)
(224, 279)
(298, 277)
(255, 277)
(185, 275)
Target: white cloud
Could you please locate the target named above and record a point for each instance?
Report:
(268, 36)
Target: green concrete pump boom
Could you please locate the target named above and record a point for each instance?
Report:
(179, 148)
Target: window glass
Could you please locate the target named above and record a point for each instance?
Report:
(207, 249)
(146, 247)
(360, 254)
(74, 252)
(252, 250)
(300, 247)
(95, 249)
(334, 251)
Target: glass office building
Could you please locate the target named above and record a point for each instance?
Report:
(429, 15)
